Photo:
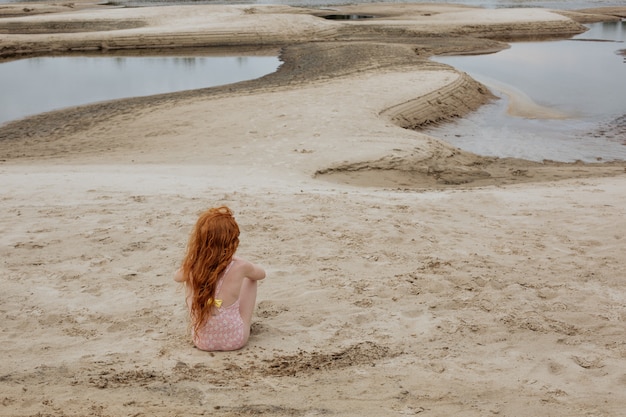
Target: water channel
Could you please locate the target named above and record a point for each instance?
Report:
(36, 85)
(580, 82)
(575, 88)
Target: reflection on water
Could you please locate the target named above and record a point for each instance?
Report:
(613, 31)
(347, 17)
(36, 85)
(584, 78)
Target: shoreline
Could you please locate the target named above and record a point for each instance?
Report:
(313, 51)
(405, 277)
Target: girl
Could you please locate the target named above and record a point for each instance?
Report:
(220, 287)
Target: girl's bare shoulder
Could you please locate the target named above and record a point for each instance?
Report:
(248, 269)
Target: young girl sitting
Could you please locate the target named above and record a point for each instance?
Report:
(220, 287)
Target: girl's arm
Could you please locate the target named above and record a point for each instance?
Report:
(254, 272)
(250, 270)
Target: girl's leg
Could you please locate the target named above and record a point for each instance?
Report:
(247, 300)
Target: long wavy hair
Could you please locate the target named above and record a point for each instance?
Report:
(212, 245)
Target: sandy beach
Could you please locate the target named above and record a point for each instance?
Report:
(405, 276)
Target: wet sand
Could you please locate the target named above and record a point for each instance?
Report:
(405, 276)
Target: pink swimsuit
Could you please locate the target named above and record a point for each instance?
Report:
(224, 330)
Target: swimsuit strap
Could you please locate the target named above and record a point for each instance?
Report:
(221, 280)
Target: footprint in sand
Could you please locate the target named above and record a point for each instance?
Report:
(268, 309)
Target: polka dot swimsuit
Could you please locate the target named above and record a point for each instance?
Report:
(224, 330)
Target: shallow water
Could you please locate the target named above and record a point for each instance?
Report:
(584, 79)
(36, 85)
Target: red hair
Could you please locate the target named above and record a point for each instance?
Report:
(212, 245)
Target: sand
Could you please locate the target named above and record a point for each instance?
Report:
(405, 277)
